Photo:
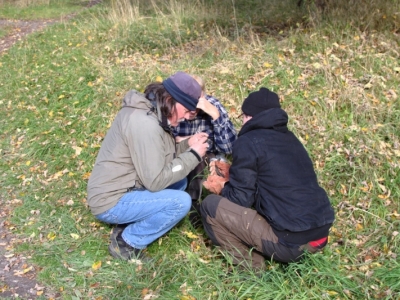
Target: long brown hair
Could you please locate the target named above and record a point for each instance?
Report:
(156, 92)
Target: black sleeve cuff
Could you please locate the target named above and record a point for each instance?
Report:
(195, 154)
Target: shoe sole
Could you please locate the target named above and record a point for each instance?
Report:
(114, 253)
(140, 259)
(113, 249)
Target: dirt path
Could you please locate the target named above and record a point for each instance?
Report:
(21, 28)
(17, 275)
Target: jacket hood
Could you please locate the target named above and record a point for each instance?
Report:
(136, 99)
(274, 118)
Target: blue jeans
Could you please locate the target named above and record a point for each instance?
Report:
(149, 215)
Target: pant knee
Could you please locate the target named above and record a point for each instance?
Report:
(185, 202)
(209, 206)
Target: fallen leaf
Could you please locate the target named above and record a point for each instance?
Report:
(187, 297)
(51, 236)
(96, 265)
(331, 293)
(74, 236)
(144, 292)
(368, 86)
(317, 65)
(77, 149)
(190, 235)
(224, 70)
(86, 175)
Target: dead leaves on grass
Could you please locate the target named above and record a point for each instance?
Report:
(363, 95)
(16, 264)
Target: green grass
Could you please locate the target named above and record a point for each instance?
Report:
(338, 80)
(42, 9)
(5, 31)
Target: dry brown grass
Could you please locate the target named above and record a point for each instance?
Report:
(24, 3)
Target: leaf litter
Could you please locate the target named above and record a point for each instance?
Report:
(17, 277)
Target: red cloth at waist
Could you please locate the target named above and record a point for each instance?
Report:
(319, 243)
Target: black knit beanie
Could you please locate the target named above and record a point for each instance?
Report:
(259, 101)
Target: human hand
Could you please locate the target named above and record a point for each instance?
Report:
(208, 108)
(214, 184)
(198, 143)
(202, 136)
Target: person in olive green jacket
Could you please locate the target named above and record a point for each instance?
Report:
(139, 176)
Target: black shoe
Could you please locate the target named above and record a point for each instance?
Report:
(118, 248)
(117, 229)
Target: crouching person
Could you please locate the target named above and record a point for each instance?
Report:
(272, 206)
(139, 176)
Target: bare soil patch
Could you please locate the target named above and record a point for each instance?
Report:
(20, 28)
(17, 275)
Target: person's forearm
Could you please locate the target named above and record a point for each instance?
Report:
(214, 114)
(224, 136)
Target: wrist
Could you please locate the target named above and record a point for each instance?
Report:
(215, 115)
(195, 154)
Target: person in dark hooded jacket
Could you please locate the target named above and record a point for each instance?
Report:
(272, 206)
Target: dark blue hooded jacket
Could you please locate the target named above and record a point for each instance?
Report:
(272, 172)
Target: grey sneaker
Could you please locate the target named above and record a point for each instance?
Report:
(118, 248)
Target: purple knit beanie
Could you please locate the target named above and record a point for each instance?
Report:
(184, 89)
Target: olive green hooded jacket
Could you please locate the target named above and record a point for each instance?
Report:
(136, 151)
